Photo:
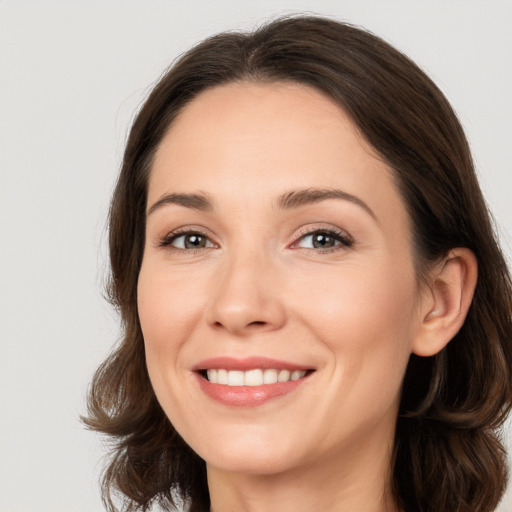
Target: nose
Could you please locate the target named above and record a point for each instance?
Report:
(246, 297)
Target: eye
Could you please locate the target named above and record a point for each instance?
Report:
(324, 240)
(189, 240)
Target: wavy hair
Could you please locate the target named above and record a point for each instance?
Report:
(447, 455)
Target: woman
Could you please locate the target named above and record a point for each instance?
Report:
(317, 313)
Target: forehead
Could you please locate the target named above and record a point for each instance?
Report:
(248, 140)
(262, 121)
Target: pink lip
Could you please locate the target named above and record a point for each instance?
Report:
(249, 363)
(247, 396)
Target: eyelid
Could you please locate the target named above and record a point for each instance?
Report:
(346, 240)
(166, 240)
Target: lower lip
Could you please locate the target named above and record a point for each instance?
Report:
(247, 396)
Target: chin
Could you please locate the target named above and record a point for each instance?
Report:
(247, 454)
(250, 463)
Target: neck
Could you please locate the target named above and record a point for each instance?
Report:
(353, 483)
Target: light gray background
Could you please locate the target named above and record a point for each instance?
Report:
(71, 76)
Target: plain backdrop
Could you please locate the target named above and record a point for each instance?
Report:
(72, 74)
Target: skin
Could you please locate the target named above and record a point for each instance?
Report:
(353, 313)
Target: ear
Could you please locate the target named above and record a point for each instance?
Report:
(445, 303)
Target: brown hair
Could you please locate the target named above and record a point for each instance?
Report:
(448, 457)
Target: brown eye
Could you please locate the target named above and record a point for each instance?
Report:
(194, 241)
(190, 240)
(324, 240)
(321, 240)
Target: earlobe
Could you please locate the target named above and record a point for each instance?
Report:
(446, 302)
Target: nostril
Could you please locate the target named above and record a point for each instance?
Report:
(257, 324)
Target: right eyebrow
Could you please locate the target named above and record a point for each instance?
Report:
(195, 201)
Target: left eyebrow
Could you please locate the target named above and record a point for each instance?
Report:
(297, 198)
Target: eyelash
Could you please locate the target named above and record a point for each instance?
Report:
(345, 241)
(168, 239)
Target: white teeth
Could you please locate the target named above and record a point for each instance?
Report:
(284, 376)
(256, 377)
(297, 374)
(269, 376)
(222, 377)
(235, 378)
(253, 378)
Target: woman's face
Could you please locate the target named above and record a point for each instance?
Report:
(277, 249)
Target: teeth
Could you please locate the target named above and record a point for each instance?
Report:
(253, 378)
(256, 377)
(296, 375)
(235, 378)
(284, 376)
(222, 377)
(269, 376)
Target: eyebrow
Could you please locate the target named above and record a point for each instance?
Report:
(194, 201)
(297, 198)
(287, 201)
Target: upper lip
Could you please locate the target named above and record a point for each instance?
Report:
(248, 363)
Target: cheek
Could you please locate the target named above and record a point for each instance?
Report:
(349, 304)
(365, 318)
(168, 313)
(167, 307)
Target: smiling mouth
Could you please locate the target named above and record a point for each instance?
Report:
(253, 377)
